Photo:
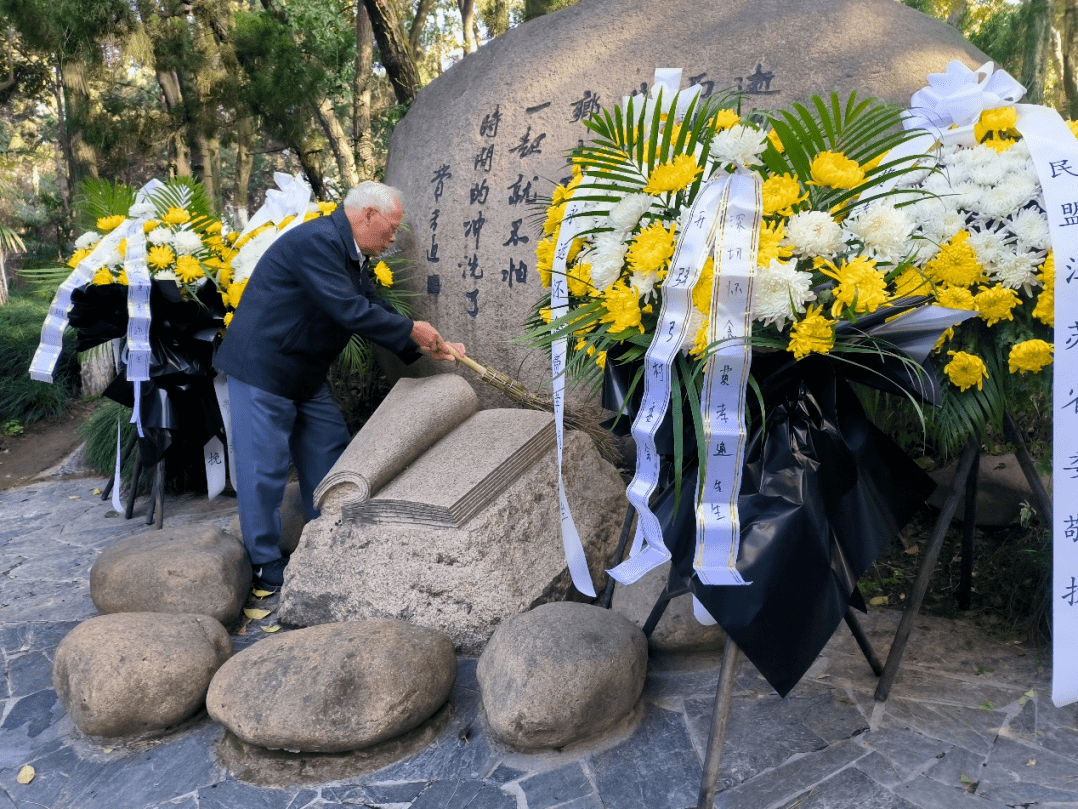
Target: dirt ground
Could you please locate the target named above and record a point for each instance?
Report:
(41, 446)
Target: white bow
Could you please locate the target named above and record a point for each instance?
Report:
(957, 97)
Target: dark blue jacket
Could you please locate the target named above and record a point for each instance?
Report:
(307, 295)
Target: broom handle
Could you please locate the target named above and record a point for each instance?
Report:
(475, 366)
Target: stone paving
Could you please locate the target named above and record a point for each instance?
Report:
(969, 722)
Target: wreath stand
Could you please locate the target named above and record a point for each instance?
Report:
(965, 479)
(155, 513)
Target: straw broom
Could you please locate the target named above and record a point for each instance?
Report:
(511, 388)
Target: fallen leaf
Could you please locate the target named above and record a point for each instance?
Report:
(964, 778)
(1030, 693)
(273, 628)
(986, 705)
(26, 775)
(73, 497)
(1031, 763)
(107, 750)
(96, 491)
(261, 593)
(256, 615)
(878, 601)
(913, 550)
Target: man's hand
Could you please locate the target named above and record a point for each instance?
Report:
(448, 351)
(426, 335)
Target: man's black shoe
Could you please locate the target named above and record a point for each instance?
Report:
(270, 575)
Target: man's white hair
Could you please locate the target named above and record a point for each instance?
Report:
(369, 194)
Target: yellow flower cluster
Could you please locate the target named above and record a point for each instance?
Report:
(966, 370)
(814, 333)
(677, 175)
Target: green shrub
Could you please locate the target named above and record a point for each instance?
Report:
(22, 398)
(99, 431)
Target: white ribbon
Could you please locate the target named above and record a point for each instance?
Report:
(291, 200)
(559, 306)
(955, 99)
(138, 313)
(1055, 155)
(220, 388)
(670, 332)
(726, 375)
(116, 504)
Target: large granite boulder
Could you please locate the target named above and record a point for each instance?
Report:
(134, 672)
(181, 568)
(332, 688)
(1002, 490)
(489, 136)
(462, 580)
(677, 630)
(561, 673)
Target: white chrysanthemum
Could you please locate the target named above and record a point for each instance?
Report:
(644, 283)
(992, 244)
(779, 292)
(944, 225)
(186, 242)
(141, 210)
(883, 229)
(993, 172)
(625, 215)
(696, 320)
(244, 262)
(159, 236)
(1030, 227)
(606, 259)
(110, 258)
(923, 249)
(87, 240)
(739, 144)
(1017, 270)
(813, 233)
(165, 275)
(999, 201)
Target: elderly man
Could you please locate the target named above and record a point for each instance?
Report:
(308, 294)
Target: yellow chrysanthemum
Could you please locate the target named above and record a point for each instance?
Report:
(780, 193)
(622, 308)
(835, 170)
(966, 370)
(160, 256)
(102, 277)
(1073, 127)
(771, 246)
(995, 304)
(600, 360)
(228, 319)
(874, 163)
(121, 248)
(999, 145)
(911, 283)
(773, 136)
(652, 249)
(674, 176)
(176, 216)
(76, 257)
(122, 278)
(383, 274)
(235, 292)
(307, 217)
(544, 314)
(724, 119)
(946, 337)
(701, 293)
(1045, 310)
(955, 298)
(814, 333)
(574, 250)
(956, 263)
(189, 269)
(544, 260)
(107, 223)
(327, 207)
(699, 343)
(580, 280)
(214, 227)
(149, 225)
(1029, 356)
(285, 222)
(554, 216)
(861, 287)
(1000, 120)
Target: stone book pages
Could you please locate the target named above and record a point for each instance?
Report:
(462, 473)
(415, 414)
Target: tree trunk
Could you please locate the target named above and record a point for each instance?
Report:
(245, 160)
(1069, 46)
(170, 90)
(467, 19)
(419, 20)
(62, 148)
(496, 17)
(338, 142)
(82, 157)
(1035, 49)
(957, 13)
(362, 140)
(308, 161)
(395, 51)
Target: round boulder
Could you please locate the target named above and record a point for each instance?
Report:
(334, 687)
(561, 673)
(195, 569)
(133, 672)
